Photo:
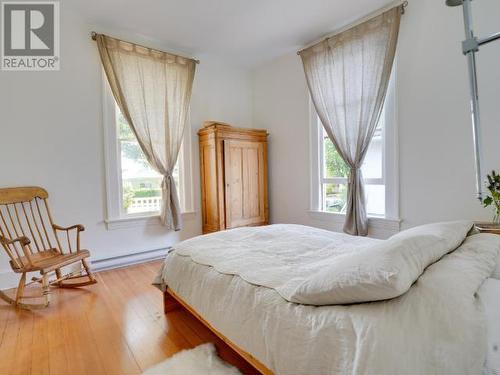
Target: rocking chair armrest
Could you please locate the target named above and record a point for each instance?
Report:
(22, 240)
(78, 227)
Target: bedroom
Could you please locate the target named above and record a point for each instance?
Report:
(59, 132)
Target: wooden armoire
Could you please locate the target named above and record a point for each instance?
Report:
(233, 164)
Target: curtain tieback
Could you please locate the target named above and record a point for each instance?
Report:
(353, 173)
(166, 178)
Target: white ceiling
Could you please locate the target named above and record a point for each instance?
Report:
(246, 32)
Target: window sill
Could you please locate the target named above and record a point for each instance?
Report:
(141, 221)
(388, 224)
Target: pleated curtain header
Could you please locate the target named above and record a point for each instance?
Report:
(357, 31)
(128, 47)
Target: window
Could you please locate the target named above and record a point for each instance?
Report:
(140, 184)
(334, 173)
(330, 173)
(133, 187)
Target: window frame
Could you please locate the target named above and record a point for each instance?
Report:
(390, 166)
(116, 217)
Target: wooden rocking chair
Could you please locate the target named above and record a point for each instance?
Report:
(31, 240)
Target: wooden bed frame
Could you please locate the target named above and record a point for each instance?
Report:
(172, 302)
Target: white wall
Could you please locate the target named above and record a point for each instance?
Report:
(51, 135)
(435, 141)
(281, 105)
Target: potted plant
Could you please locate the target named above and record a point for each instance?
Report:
(493, 199)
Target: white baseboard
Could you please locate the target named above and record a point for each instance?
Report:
(128, 259)
(9, 279)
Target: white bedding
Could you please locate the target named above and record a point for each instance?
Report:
(317, 267)
(437, 327)
(489, 293)
(279, 256)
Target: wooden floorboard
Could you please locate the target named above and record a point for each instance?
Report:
(114, 327)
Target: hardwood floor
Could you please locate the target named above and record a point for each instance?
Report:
(114, 327)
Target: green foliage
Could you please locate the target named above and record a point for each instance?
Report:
(147, 193)
(335, 166)
(493, 199)
(488, 201)
(128, 195)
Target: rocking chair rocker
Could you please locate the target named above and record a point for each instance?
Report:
(31, 240)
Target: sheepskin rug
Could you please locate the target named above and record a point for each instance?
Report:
(202, 360)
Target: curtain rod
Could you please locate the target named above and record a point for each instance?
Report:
(402, 3)
(93, 36)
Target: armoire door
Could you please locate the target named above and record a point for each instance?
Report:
(245, 183)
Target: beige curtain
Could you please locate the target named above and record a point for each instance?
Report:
(348, 75)
(153, 90)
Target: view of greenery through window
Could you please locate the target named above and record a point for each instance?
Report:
(335, 195)
(335, 174)
(141, 184)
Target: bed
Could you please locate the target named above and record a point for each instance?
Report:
(440, 325)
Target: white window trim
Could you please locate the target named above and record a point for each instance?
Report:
(391, 218)
(115, 219)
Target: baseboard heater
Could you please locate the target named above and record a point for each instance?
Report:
(129, 259)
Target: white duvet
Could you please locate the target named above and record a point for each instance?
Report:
(280, 256)
(317, 267)
(437, 327)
